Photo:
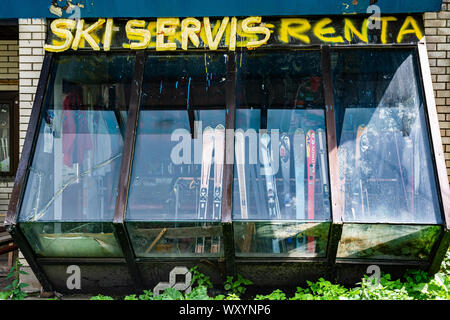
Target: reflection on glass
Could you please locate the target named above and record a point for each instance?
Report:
(256, 238)
(176, 239)
(179, 151)
(70, 239)
(5, 110)
(75, 168)
(281, 163)
(387, 242)
(386, 171)
(290, 180)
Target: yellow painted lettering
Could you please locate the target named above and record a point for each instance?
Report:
(320, 31)
(255, 30)
(350, 30)
(166, 27)
(213, 44)
(232, 45)
(409, 21)
(295, 28)
(189, 29)
(137, 32)
(62, 29)
(108, 35)
(384, 26)
(86, 34)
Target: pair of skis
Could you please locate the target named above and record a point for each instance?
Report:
(213, 139)
(302, 144)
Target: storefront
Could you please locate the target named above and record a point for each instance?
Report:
(280, 148)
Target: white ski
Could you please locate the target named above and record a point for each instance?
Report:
(208, 141)
(274, 207)
(219, 148)
(285, 156)
(326, 192)
(239, 147)
(299, 165)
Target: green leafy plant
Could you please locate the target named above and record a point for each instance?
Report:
(101, 297)
(200, 279)
(131, 297)
(147, 295)
(198, 293)
(275, 295)
(14, 289)
(237, 286)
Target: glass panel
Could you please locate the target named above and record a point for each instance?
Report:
(72, 239)
(386, 170)
(5, 115)
(281, 171)
(176, 239)
(387, 242)
(76, 162)
(287, 239)
(179, 152)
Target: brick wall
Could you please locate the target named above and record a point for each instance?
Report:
(31, 56)
(437, 31)
(9, 81)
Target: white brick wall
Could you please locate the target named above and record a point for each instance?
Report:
(437, 32)
(31, 55)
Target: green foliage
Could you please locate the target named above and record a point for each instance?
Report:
(101, 297)
(148, 295)
(14, 289)
(198, 293)
(200, 279)
(4, 295)
(275, 295)
(237, 287)
(415, 285)
(320, 290)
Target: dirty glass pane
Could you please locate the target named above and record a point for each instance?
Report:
(5, 129)
(176, 239)
(281, 163)
(72, 239)
(286, 239)
(385, 166)
(179, 151)
(387, 242)
(76, 161)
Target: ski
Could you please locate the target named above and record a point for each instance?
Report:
(285, 156)
(359, 133)
(325, 188)
(239, 147)
(311, 169)
(273, 205)
(299, 166)
(219, 148)
(208, 140)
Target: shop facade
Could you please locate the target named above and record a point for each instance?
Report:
(281, 148)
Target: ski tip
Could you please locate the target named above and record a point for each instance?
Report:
(220, 127)
(299, 131)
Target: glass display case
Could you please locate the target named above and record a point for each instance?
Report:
(68, 205)
(279, 163)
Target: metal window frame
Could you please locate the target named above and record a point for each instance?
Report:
(227, 199)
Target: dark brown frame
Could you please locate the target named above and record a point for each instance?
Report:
(230, 260)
